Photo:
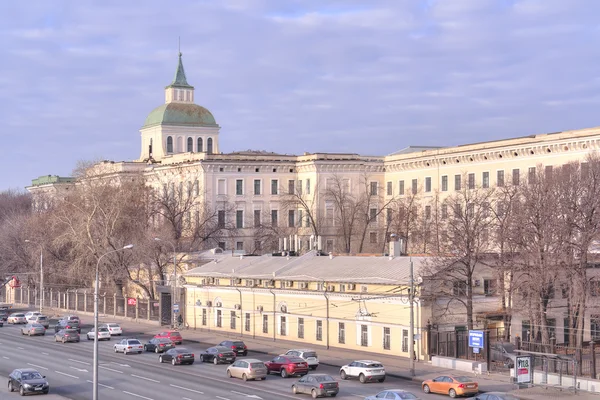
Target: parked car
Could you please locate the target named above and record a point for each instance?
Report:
(174, 336)
(159, 345)
(310, 356)
(177, 356)
(217, 355)
(16, 318)
(27, 380)
(503, 352)
(103, 334)
(66, 335)
(113, 328)
(495, 396)
(248, 368)
(393, 394)
(317, 385)
(31, 314)
(287, 366)
(40, 319)
(127, 346)
(364, 370)
(67, 324)
(33, 330)
(236, 345)
(451, 385)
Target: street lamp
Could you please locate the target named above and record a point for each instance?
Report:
(41, 273)
(95, 377)
(411, 332)
(175, 298)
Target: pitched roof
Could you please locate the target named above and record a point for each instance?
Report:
(180, 79)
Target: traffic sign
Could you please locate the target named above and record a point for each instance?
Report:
(476, 339)
(175, 307)
(131, 301)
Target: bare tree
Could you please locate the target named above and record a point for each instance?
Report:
(347, 209)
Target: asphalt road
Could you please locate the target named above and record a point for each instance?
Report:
(68, 368)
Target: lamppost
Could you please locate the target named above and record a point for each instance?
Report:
(95, 377)
(41, 273)
(175, 298)
(411, 329)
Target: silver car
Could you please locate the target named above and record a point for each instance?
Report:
(103, 334)
(33, 330)
(127, 346)
(248, 368)
(310, 356)
(16, 318)
(40, 319)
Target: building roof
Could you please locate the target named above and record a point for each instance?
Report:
(309, 267)
(414, 149)
(180, 81)
(186, 114)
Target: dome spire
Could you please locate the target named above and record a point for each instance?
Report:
(179, 90)
(180, 80)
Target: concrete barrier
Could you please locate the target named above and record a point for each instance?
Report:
(459, 365)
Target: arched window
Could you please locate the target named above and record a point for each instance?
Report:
(190, 145)
(199, 149)
(169, 144)
(209, 146)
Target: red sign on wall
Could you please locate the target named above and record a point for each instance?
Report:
(131, 301)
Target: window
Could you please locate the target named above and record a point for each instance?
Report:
(485, 180)
(239, 219)
(319, 333)
(300, 218)
(247, 322)
(585, 169)
(308, 186)
(401, 188)
(428, 184)
(444, 211)
(282, 326)
(239, 245)
(190, 145)
(427, 212)
(209, 146)
(221, 187)
(526, 331)
(444, 183)
(404, 340)
(300, 187)
(389, 215)
(470, 210)
(274, 186)
(414, 186)
(373, 237)
(595, 288)
(489, 287)
(291, 218)
(471, 181)
(239, 187)
(169, 144)
(257, 246)
(458, 211)
(274, 214)
(373, 189)
(221, 219)
(548, 170)
(459, 288)
(342, 287)
(300, 328)
(329, 245)
(204, 318)
(328, 213)
(373, 215)
(389, 190)
(531, 175)
(219, 321)
(364, 335)
(341, 333)
(256, 218)
(500, 178)
(257, 187)
(386, 339)
(265, 323)
(457, 182)
(595, 326)
(515, 177)
(199, 145)
(222, 245)
(232, 318)
(291, 186)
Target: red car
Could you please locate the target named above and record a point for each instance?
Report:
(174, 336)
(287, 366)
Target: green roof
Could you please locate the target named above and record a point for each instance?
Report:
(48, 179)
(180, 79)
(187, 114)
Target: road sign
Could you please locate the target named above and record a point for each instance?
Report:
(476, 350)
(476, 339)
(131, 301)
(523, 369)
(175, 307)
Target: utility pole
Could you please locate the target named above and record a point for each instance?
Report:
(41, 273)
(174, 283)
(411, 329)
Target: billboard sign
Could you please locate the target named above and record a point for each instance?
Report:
(524, 369)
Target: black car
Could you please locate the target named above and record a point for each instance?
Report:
(27, 380)
(66, 324)
(218, 354)
(159, 345)
(236, 345)
(317, 385)
(177, 356)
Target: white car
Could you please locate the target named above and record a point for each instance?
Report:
(127, 346)
(114, 329)
(31, 314)
(103, 334)
(310, 356)
(364, 370)
(16, 318)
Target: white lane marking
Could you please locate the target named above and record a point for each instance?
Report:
(99, 384)
(143, 377)
(20, 348)
(185, 398)
(222, 398)
(110, 369)
(137, 395)
(6, 357)
(37, 366)
(70, 376)
(79, 369)
(362, 396)
(188, 389)
(45, 354)
(245, 394)
(121, 365)
(80, 362)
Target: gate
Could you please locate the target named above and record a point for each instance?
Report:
(166, 315)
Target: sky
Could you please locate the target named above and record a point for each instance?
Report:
(78, 78)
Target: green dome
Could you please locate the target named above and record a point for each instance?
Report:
(180, 114)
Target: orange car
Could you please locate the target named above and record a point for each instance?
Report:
(451, 385)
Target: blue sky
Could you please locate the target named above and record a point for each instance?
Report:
(78, 78)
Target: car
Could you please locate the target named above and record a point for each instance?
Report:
(236, 345)
(66, 335)
(71, 317)
(495, 396)
(159, 345)
(287, 366)
(33, 330)
(127, 346)
(16, 318)
(67, 324)
(217, 355)
(114, 329)
(317, 385)
(310, 356)
(103, 334)
(503, 352)
(31, 314)
(364, 370)
(40, 319)
(177, 356)
(174, 336)
(393, 394)
(5, 307)
(27, 380)
(248, 368)
(451, 385)
(3, 316)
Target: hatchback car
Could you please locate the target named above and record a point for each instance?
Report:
(236, 345)
(248, 368)
(217, 355)
(451, 385)
(66, 335)
(287, 366)
(177, 356)
(159, 345)
(16, 318)
(114, 329)
(393, 394)
(67, 324)
(174, 336)
(27, 380)
(103, 334)
(40, 319)
(31, 314)
(33, 330)
(495, 396)
(310, 356)
(317, 385)
(127, 346)
(364, 370)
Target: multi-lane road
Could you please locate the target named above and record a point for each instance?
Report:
(68, 368)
